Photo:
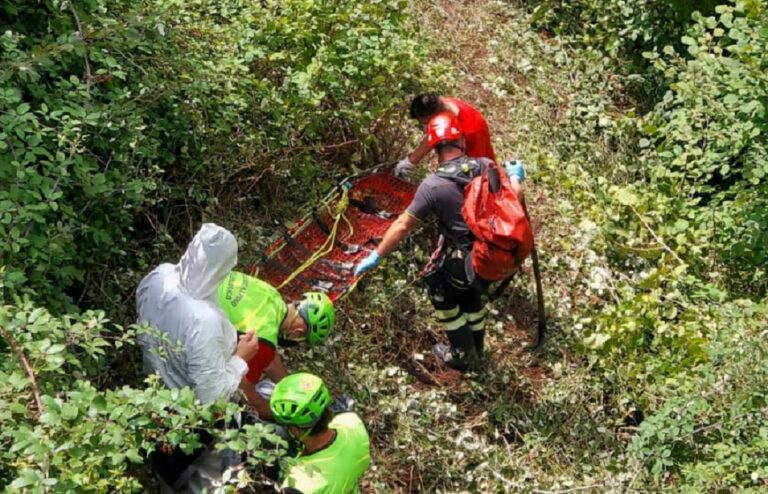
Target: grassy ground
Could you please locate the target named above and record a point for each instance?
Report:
(532, 422)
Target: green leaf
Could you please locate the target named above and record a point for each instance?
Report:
(69, 411)
(57, 348)
(26, 477)
(626, 197)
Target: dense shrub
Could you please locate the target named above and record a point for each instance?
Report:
(670, 194)
(621, 28)
(62, 434)
(705, 151)
(121, 121)
(81, 148)
(708, 433)
(118, 114)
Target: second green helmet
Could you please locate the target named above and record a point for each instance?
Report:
(318, 312)
(299, 399)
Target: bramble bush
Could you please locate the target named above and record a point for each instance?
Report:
(61, 433)
(674, 202)
(704, 148)
(621, 28)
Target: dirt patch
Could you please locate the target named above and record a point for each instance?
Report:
(433, 374)
(537, 377)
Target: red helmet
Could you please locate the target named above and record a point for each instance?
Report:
(443, 127)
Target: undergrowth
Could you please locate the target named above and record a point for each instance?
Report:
(652, 378)
(645, 144)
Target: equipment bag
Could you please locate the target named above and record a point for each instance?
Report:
(503, 236)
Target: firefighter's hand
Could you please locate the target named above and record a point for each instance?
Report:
(515, 169)
(404, 167)
(368, 263)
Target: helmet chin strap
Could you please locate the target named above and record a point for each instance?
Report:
(304, 436)
(452, 144)
(292, 322)
(301, 439)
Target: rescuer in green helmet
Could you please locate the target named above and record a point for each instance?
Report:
(251, 304)
(334, 450)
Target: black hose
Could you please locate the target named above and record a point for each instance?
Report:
(494, 180)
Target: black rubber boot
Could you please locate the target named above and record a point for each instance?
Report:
(461, 355)
(479, 338)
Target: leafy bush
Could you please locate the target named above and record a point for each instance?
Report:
(62, 434)
(670, 208)
(621, 28)
(122, 125)
(80, 153)
(708, 434)
(705, 151)
(117, 115)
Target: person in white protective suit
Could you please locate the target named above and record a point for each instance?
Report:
(191, 342)
(196, 345)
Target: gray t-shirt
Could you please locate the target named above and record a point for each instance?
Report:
(444, 198)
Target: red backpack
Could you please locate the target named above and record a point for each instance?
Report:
(497, 218)
(503, 233)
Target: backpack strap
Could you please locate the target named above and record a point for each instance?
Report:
(461, 171)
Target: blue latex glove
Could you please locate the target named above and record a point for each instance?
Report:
(515, 168)
(368, 263)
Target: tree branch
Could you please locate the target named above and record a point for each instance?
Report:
(81, 34)
(24, 362)
(655, 236)
(574, 489)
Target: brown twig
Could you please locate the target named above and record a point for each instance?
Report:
(24, 362)
(574, 489)
(656, 236)
(81, 35)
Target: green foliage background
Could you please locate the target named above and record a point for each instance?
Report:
(116, 115)
(124, 124)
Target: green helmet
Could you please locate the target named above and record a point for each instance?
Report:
(317, 311)
(300, 400)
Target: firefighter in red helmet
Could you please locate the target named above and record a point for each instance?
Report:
(458, 303)
(477, 137)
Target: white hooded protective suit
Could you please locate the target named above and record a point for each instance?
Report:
(193, 343)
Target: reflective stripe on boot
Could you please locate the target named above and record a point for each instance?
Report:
(462, 355)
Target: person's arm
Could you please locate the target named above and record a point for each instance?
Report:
(407, 165)
(276, 369)
(259, 402)
(419, 208)
(214, 371)
(397, 231)
(515, 170)
(419, 153)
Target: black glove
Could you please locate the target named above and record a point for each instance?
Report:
(343, 403)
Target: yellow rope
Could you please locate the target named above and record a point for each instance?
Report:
(328, 245)
(351, 227)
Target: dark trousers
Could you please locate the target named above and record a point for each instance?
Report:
(459, 307)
